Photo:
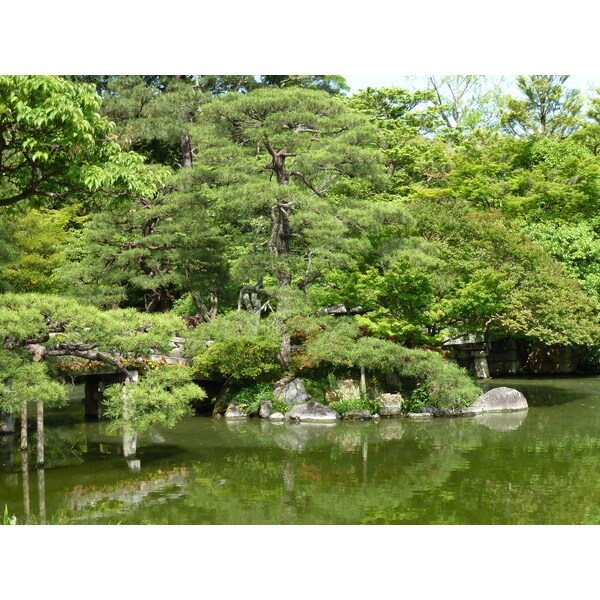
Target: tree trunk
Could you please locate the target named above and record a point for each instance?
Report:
(285, 353)
(40, 434)
(186, 151)
(363, 383)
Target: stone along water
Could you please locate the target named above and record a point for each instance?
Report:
(540, 466)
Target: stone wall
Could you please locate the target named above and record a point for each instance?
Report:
(511, 357)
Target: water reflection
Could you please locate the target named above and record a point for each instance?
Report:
(535, 466)
(42, 495)
(25, 485)
(7, 452)
(296, 437)
(502, 421)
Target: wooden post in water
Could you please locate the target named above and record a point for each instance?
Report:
(25, 475)
(40, 434)
(42, 495)
(24, 426)
(129, 436)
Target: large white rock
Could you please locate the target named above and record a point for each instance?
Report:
(499, 399)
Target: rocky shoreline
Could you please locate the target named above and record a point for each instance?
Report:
(302, 409)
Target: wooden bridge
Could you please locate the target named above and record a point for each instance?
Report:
(96, 380)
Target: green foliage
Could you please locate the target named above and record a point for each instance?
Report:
(549, 108)
(6, 520)
(238, 346)
(339, 344)
(161, 397)
(22, 380)
(250, 397)
(343, 406)
(57, 145)
(145, 252)
(575, 246)
(242, 358)
(38, 237)
(419, 396)
(492, 278)
(37, 329)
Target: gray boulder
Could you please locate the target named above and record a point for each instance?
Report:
(292, 392)
(266, 409)
(313, 412)
(348, 389)
(357, 414)
(390, 405)
(235, 412)
(420, 415)
(277, 417)
(499, 399)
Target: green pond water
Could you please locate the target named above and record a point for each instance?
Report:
(540, 466)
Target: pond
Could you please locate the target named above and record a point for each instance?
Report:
(540, 466)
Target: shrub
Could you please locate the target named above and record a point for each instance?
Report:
(343, 406)
(250, 398)
(241, 358)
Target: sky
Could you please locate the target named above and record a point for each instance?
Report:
(585, 83)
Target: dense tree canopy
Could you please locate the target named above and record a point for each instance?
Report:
(54, 144)
(248, 210)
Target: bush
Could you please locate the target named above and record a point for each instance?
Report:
(343, 406)
(236, 346)
(250, 398)
(161, 397)
(240, 359)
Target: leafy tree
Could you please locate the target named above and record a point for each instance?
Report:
(38, 236)
(338, 342)
(153, 115)
(238, 346)
(332, 84)
(42, 327)
(144, 252)
(162, 397)
(271, 157)
(576, 246)
(548, 110)
(466, 103)
(55, 144)
(8, 252)
(404, 119)
(39, 329)
(494, 279)
(553, 178)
